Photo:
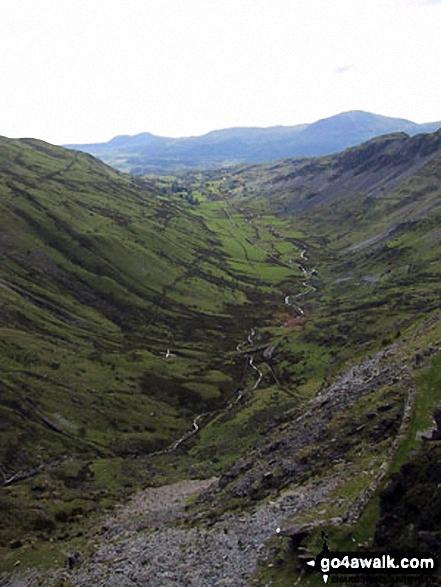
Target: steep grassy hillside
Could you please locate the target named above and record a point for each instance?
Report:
(122, 309)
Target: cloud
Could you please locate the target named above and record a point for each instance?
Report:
(343, 68)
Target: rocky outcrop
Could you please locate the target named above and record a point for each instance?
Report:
(308, 440)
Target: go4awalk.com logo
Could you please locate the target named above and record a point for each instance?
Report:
(331, 564)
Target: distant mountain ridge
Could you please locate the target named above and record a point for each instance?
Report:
(147, 153)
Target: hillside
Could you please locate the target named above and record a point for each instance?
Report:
(123, 305)
(299, 303)
(99, 266)
(147, 153)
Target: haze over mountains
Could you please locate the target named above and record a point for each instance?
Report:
(147, 153)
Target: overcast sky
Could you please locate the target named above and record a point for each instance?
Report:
(83, 71)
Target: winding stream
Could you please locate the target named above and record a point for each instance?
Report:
(290, 298)
(240, 392)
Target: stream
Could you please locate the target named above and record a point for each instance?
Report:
(240, 392)
(290, 299)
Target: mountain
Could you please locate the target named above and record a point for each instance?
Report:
(146, 153)
(370, 170)
(266, 336)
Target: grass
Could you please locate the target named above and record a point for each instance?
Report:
(427, 399)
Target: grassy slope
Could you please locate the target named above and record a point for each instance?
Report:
(101, 274)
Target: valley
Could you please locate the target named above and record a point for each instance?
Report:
(266, 336)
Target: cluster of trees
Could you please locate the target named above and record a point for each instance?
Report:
(185, 193)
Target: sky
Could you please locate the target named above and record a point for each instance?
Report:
(83, 71)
